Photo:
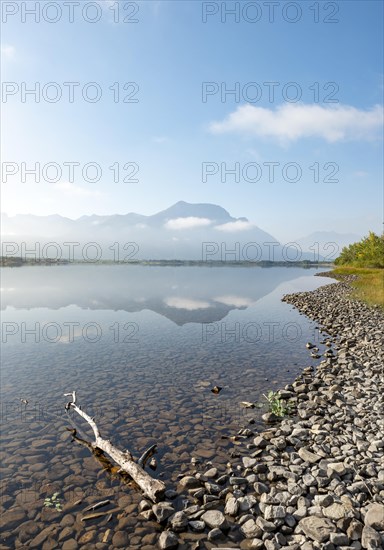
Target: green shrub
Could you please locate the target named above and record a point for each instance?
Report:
(369, 252)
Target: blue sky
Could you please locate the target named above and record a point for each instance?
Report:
(172, 135)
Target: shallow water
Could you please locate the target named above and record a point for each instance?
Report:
(142, 346)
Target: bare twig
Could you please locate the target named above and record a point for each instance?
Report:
(147, 455)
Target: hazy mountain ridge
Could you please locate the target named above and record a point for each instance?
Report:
(183, 231)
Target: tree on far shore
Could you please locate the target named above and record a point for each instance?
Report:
(369, 252)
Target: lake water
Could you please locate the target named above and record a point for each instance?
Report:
(143, 346)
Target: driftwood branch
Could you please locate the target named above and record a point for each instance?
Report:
(152, 488)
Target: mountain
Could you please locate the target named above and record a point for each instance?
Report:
(183, 231)
(186, 210)
(327, 244)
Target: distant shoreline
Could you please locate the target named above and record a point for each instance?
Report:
(20, 262)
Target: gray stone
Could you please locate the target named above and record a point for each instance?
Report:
(242, 519)
(250, 530)
(339, 539)
(271, 544)
(215, 519)
(215, 535)
(162, 511)
(338, 467)
(300, 513)
(147, 514)
(290, 520)
(144, 505)
(211, 473)
(197, 526)
(370, 539)
(317, 529)
(260, 488)
(212, 488)
(168, 540)
(238, 481)
(279, 443)
(257, 544)
(308, 456)
(191, 510)
(355, 530)
(334, 511)
(274, 512)
(266, 526)
(189, 482)
(178, 521)
(323, 500)
(222, 479)
(309, 480)
(270, 418)
(198, 493)
(375, 517)
(260, 442)
(301, 433)
(249, 462)
(247, 502)
(231, 507)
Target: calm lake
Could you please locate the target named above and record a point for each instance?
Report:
(143, 346)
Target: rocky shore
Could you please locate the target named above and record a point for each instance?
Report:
(314, 480)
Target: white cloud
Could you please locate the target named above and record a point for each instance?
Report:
(7, 51)
(186, 303)
(187, 223)
(76, 191)
(290, 122)
(234, 227)
(237, 301)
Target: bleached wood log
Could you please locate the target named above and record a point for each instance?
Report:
(152, 488)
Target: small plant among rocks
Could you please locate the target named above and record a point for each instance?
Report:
(277, 405)
(53, 502)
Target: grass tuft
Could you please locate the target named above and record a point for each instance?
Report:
(368, 287)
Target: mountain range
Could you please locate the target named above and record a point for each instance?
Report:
(183, 231)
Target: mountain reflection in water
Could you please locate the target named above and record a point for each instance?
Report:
(181, 294)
